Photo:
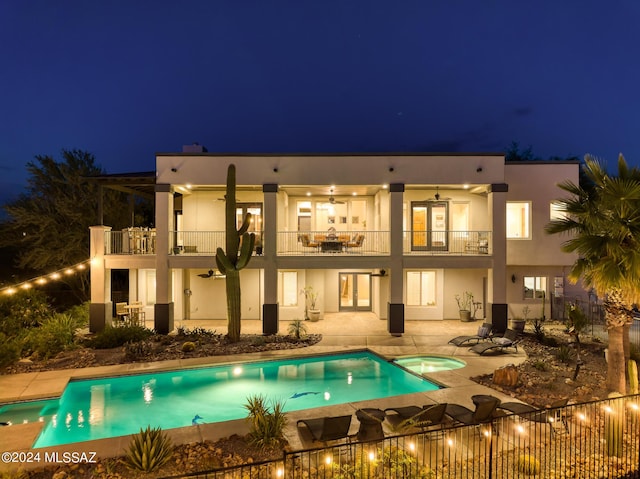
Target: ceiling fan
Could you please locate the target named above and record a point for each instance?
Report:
(211, 274)
(332, 200)
(438, 197)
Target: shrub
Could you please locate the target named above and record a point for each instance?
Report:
(196, 333)
(9, 350)
(297, 329)
(258, 341)
(149, 450)
(81, 314)
(540, 365)
(188, 346)
(528, 465)
(564, 353)
(137, 350)
(115, 337)
(266, 425)
(24, 309)
(53, 335)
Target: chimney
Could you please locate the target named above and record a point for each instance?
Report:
(193, 148)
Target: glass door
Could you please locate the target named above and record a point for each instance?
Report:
(255, 226)
(355, 291)
(429, 225)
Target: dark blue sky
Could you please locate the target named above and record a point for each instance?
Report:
(127, 79)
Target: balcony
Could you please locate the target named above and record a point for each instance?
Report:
(457, 243)
(140, 241)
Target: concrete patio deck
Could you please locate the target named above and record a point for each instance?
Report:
(341, 332)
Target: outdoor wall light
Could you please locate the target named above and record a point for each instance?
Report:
(174, 170)
(275, 170)
(513, 278)
(479, 169)
(391, 168)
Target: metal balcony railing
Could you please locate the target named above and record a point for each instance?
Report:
(130, 241)
(447, 242)
(296, 243)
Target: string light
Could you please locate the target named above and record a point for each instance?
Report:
(44, 279)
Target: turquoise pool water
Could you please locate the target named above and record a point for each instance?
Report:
(109, 407)
(429, 364)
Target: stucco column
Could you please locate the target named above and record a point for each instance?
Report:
(163, 309)
(395, 314)
(270, 251)
(497, 277)
(100, 308)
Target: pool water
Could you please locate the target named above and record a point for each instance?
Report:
(429, 364)
(109, 407)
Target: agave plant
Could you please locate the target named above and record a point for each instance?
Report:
(266, 425)
(149, 450)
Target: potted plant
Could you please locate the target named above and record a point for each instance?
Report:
(517, 324)
(310, 298)
(465, 302)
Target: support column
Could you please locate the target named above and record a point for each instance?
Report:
(163, 309)
(497, 277)
(395, 313)
(100, 308)
(270, 251)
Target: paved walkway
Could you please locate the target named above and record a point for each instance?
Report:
(341, 332)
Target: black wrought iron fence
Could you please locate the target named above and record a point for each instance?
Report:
(600, 439)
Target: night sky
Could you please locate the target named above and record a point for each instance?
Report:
(127, 79)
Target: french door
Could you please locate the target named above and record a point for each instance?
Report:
(429, 225)
(355, 291)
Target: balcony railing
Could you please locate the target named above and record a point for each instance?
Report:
(321, 243)
(308, 243)
(447, 243)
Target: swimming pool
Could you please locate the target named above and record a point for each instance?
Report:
(109, 407)
(429, 364)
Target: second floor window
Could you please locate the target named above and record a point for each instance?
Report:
(518, 220)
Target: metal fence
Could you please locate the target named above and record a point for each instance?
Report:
(599, 439)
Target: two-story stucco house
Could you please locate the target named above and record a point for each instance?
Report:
(399, 235)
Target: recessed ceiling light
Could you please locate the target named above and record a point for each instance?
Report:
(385, 186)
(466, 186)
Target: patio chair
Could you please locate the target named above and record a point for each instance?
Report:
(427, 418)
(355, 243)
(122, 313)
(307, 243)
(509, 340)
(484, 332)
(548, 415)
(482, 414)
(326, 429)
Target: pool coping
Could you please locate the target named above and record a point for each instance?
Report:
(48, 384)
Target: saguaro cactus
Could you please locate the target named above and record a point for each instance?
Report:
(237, 255)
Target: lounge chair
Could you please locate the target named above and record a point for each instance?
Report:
(425, 417)
(484, 332)
(509, 340)
(325, 429)
(483, 412)
(549, 415)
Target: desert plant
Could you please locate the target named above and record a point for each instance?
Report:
(195, 333)
(564, 353)
(258, 341)
(614, 426)
(114, 337)
(9, 350)
(54, 335)
(188, 346)
(236, 257)
(525, 312)
(528, 464)
(297, 329)
(24, 309)
(134, 351)
(310, 298)
(540, 365)
(149, 450)
(80, 312)
(465, 301)
(538, 330)
(266, 424)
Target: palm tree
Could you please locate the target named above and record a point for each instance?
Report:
(603, 220)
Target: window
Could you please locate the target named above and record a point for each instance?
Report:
(518, 220)
(421, 288)
(535, 287)
(557, 211)
(288, 288)
(150, 283)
